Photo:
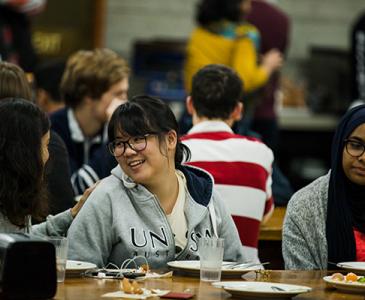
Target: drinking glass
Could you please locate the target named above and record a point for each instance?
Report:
(211, 258)
(61, 247)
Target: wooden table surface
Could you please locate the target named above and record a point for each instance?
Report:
(272, 229)
(88, 288)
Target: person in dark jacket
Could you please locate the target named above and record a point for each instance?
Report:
(358, 58)
(93, 85)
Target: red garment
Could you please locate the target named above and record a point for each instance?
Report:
(273, 25)
(241, 168)
(360, 245)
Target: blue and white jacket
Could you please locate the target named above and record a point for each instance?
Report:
(89, 158)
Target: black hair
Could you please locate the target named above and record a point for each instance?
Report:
(144, 114)
(209, 11)
(216, 91)
(22, 189)
(48, 77)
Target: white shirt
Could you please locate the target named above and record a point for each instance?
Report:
(177, 217)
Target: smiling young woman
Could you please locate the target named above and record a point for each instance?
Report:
(325, 221)
(151, 205)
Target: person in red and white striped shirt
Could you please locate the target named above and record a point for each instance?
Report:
(241, 166)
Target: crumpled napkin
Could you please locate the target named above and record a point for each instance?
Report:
(146, 294)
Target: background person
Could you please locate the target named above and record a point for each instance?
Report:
(358, 58)
(13, 83)
(274, 26)
(47, 80)
(151, 205)
(24, 138)
(240, 165)
(224, 37)
(93, 83)
(325, 221)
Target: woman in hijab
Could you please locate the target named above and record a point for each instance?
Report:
(325, 221)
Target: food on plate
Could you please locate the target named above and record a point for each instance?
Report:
(348, 278)
(144, 268)
(352, 277)
(126, 286)
(130, 288)
(338, 277)
(136, 288)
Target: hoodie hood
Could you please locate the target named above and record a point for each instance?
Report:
(199, 182)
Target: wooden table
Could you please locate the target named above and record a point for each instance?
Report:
(87, 288)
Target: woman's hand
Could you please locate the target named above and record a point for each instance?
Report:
(75, 210)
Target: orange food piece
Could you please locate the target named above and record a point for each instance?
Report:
(351, 277)
(130, 288)
(126, 286)
(136, 288)
(145, 267)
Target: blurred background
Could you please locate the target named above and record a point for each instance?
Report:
(151, 35)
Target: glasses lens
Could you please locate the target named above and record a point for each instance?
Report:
(138, 143)
(354, 148)
(116, 148)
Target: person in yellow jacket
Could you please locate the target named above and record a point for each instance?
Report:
(223, 37)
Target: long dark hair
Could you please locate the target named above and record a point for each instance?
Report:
(145, 114)
(343, 202)
(22, 190)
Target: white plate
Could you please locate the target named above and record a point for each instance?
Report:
(193, 267)
(74, 266)
(356, 287)
(256, 289)
(355, 266)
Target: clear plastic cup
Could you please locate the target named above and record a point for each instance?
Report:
(211, 257)
(61, 247)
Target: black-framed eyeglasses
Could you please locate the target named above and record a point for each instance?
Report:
(354, 147)
(136, 143)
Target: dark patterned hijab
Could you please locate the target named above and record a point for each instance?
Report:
(346, 200)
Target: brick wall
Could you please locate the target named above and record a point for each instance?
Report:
(128, 20)
(315, 22)
(320, 23)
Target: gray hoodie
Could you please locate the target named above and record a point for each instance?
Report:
(54, 225)
(122, 219)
